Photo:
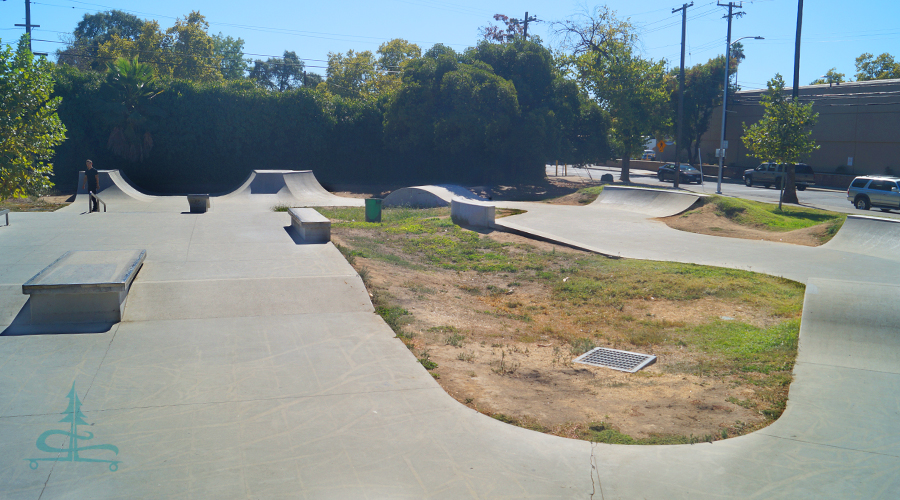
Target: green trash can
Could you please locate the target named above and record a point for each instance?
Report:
(373, 209)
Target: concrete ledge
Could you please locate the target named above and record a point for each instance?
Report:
(312, 226)
(199, 203)
(472, 212)
(84, 286)
(5, 212)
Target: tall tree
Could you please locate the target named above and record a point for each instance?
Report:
(702, 94)
(352, 75)
(831, 76)
(133, 85)
(883, 67)
(279, 73)
(631, 89)
(783, 134)
(93, 31)
(193, 49)
(230, 52)
(29, 125)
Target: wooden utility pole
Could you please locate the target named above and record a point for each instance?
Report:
(527, 19)
(678, 144)
(722, 147)
(28, 24)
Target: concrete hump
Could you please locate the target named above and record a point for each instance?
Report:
(652, 202)
(114, 186)
(428, 196)
(295, 187)
(871, 236)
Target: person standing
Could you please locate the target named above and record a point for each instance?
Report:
(92, 184)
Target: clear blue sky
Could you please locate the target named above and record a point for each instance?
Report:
(834, 33)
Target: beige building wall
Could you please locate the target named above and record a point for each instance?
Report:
(859, 123)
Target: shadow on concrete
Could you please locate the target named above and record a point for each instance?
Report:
(22, 325)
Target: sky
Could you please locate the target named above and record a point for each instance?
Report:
(833, 33)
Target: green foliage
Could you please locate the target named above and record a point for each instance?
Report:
(631, 89)
(766, 215)
(831, 76)
(132, 86)
(783, 134)
(883, 67)
(230, 51)
(279, 73)
(702, 94)
(93, 31)
(29, 125)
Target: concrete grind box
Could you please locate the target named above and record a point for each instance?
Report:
(84, 286)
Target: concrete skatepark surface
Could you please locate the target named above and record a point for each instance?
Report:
(250, 366)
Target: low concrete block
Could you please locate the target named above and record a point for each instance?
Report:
(84, 286)
(5, 212)
(199, 203)
(312, 226)
(472, 212)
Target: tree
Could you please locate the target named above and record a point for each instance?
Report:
(883, 67)
(631, 89)
(133, 85)
(493, 33)
(831, 76)
(352, 75)
(93, 31)
(230, 52)
(279, 73)
(783, 134)
(702, 94)
(193, 49)
(29, 125)
(150, 46)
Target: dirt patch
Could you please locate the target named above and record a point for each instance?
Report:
(42, 204)
(705, 220)
(498, 349)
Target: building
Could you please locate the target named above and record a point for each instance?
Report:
(858, 131)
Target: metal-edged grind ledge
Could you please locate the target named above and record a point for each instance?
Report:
(84, 286)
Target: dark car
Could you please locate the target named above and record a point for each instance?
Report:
(688, 174)
(770, 174)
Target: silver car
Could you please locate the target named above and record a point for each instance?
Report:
(875, 191)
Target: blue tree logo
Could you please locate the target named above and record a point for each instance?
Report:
(75, 418)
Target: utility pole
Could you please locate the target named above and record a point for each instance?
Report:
(28, 24)
(797, 50)
(722, 146)
(678, 144)
(527, 19)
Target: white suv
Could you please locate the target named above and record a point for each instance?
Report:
(875, 191)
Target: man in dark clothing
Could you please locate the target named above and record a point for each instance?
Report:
(92, 184)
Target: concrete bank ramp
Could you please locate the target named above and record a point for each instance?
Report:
(651, 202)
(428, 196)
(114, 186)
(868, 236)
(292, 187)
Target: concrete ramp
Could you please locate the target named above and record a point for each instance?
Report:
(651, 202)
(291, 187)
(114, 186)
(871, 236)
(428, 196)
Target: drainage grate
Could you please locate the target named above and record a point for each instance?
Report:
(617, 360)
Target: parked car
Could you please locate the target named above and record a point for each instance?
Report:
(649, 154)
(769, 174)
(688, 174)
(875, 191)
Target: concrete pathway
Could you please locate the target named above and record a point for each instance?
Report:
(251, 366)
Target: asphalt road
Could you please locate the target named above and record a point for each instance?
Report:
(816, 197)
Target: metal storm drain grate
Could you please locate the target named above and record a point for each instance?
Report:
(617, 360)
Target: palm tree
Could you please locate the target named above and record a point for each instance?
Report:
(133, 85)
